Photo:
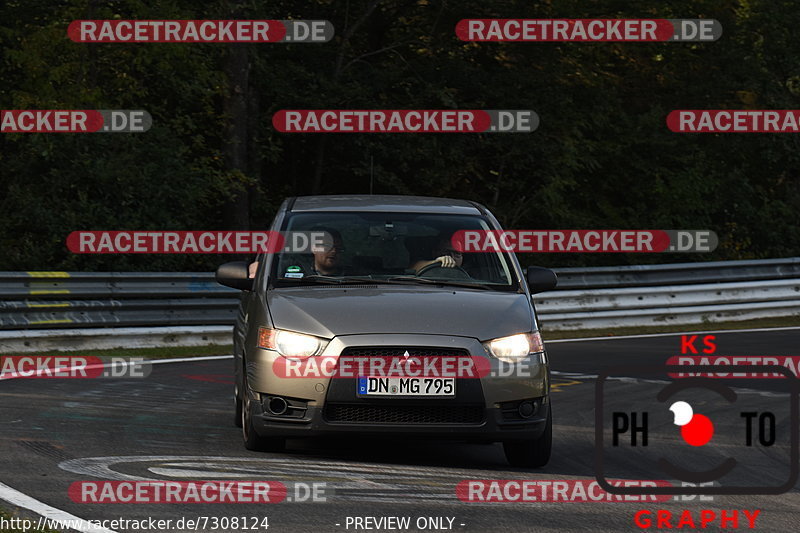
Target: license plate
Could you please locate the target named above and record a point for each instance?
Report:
(391, 386)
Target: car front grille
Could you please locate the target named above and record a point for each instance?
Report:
(392, 351)
(404, 414)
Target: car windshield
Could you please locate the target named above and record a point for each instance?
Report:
(388, 248)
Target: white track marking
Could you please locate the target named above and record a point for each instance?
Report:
(739, 390)
(185, 359)
(17, 498)
(39, 373)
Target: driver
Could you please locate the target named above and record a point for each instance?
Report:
(444, 254)
(326, 261)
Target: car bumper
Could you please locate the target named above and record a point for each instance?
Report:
(493, 427)
(483, 408)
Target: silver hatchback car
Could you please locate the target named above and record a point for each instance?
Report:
(326, 341)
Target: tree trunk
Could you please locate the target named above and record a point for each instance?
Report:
(254, 158)
(319, 158)
(236, 214)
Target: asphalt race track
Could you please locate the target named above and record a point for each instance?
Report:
(178, 425)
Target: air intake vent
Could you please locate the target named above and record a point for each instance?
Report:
(405, 414)
(391, 351)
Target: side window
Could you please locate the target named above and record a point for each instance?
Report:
(259, 264)
(264, 260)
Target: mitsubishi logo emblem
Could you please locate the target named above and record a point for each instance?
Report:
(406, 354)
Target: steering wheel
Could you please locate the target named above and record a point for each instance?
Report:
(442, 272)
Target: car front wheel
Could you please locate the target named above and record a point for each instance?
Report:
(252, 440)
(531, 453)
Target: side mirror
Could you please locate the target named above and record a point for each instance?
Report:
(541, 279)
(235, 274)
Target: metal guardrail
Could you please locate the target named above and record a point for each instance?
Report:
(598, 297)
(102, 299)
(66, 339)
(678, 273)
(676, 304)
(53, 285)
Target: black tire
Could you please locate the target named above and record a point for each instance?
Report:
(237, 398)
(237, 401)
(252, 440)
(531, 453)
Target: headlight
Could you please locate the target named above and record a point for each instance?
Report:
(290, 344)
(515, 347)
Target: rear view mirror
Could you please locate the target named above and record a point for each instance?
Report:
(235, 274)
(541, 279)
(388, 231)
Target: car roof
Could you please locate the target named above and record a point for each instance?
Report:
(384, 203)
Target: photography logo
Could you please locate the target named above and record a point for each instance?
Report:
(698, 430)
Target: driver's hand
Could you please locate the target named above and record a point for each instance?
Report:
(446, 261)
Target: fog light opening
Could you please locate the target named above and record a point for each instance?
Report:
(528, 409)
(277, 405)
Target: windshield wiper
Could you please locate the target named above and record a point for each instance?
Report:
(397, 280)
(432, 281)
(315, 279)
(334, 280)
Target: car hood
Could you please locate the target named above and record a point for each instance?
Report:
(328, 312)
